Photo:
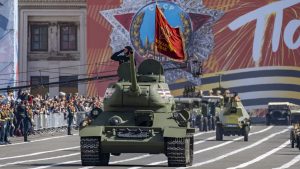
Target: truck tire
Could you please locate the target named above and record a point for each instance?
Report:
(209, 123)
(268, 120)
(298, 142)
(288, 120)
(292, 139)
(246, 130)
(205, 124)
(201, 124)
(219, 133)
(213, 123)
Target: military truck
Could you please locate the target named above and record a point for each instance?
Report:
(233, 120)
(139, 117)
(295, 131)
(278, 113)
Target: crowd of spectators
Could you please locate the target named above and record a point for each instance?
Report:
(19, 112)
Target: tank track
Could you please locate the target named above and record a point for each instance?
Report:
(91, 153)
(176, 151)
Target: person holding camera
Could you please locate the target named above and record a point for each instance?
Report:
(122, 58)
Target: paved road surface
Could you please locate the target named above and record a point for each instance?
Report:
(268, 147)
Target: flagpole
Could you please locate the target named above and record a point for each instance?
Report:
(155, 30)
(159, 76)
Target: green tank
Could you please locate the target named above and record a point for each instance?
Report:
(139, 116)
(233, 120)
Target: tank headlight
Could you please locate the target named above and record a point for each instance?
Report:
(95, 112)
(175, 115)
(109, 92)
(84, 123)
(115, 121)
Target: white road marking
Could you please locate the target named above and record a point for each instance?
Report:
(71, 162)
(41, 159)
(201, 133)
(39, 153)
(229, 142)
(58, 164)
(130, 159)
(236, 151)
(210, 148)
(290, 163)
(261, 157)
(33, 141)
(202, 141)
(86, 167)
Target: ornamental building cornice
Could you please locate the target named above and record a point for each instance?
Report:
(52, 4)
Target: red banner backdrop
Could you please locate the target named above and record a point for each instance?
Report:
(251, 36)
(168, 39)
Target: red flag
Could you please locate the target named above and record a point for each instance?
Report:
(168, 40)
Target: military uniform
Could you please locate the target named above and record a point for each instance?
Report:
(23, 120)
(10, 123)
(120, 58)
(71, 112)
(4, 121)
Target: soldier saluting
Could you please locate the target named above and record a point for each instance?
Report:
(122, 58)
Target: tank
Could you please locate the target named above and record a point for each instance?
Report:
(278, 113)
(138, 116)
(295, 131)
(233, 120)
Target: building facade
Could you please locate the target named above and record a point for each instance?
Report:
(52, 45)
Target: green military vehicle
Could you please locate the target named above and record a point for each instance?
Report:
(139, 117)
(295, 131)
(233, 120)
(278, 113)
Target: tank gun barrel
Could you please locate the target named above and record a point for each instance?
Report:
(134, 86)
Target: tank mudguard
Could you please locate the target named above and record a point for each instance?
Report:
(91, 131)
(175, 132)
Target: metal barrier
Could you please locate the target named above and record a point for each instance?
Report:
(53, 121)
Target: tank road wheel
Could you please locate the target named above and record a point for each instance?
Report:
(91, 153)
(219, 133)
(292, 140)
(179, 151)
(209, 123)
(246, 133)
